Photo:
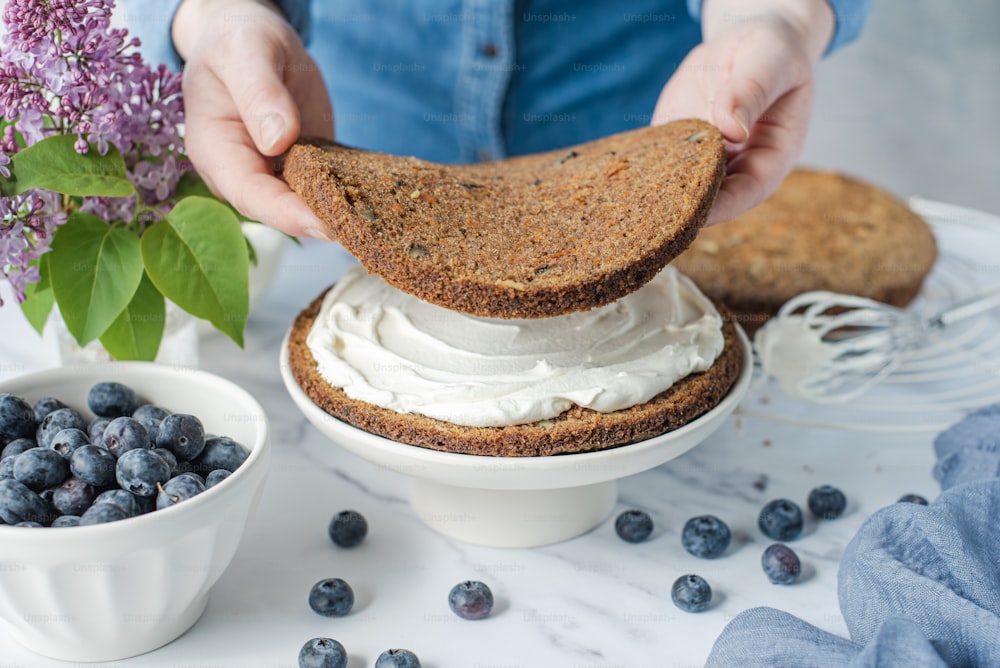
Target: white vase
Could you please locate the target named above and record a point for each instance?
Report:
(179, 346)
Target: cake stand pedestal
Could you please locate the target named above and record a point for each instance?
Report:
(517, 501)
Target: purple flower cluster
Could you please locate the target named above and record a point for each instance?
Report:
(64, 70)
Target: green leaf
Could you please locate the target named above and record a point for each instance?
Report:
(197, 258)
(38, 297)
(53, 164)
(192, 185)
(95, 269)
(136, 333)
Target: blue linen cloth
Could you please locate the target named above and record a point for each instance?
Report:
(918, 585)
(471, 80)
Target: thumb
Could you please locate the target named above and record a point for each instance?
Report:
(264, 102)
(744, 99)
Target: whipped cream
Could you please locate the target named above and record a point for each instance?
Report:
(388, 348)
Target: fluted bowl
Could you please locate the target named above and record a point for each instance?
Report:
(110, 591)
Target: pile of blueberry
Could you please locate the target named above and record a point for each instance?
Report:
(333, 597)
(57, 469)
(708, 537)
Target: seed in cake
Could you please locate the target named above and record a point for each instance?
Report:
(332, 597)
(691, 593)
(781, 564)
(348, 528)
(471, 599)
(827, 502)
(705, 536)
(781, 519)
(634, 526)
(322, 653)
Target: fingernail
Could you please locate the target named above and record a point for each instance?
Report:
(318, 233)
(742, 118)
(271, 130)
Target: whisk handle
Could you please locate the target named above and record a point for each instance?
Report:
(967, 309)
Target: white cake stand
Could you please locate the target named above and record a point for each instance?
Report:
(516, 501)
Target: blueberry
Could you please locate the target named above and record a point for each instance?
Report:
(139, 471)
(66, 521)
(331, 598)
(130, 503)
(913, 498)
(112, 400)
(220, 452)
(397, 658)
(68, 440)
(348, 528)
(471, 600)
(39, 468)
(183, 435)
(46, 405)
(102, 513)
(55, 422)
(96, 429)
(123, 434)
(150, 417)
(175, 490)
(29, 524)
(215, 477)
(193, 476)
(691, 593)
(18, 504)
(781, 519)
(93, 464)
(322, 653)
(74, 496)
(17, 419)
(17, 446)
(7, 468)
(634, 526)
(781, 564)
(169, 458)
(706, 536)
(827, 502)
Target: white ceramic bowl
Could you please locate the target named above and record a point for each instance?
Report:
(111, 591)
(517, 501)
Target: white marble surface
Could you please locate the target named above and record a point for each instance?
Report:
(591, 601)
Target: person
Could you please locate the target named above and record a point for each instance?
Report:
(472, 80)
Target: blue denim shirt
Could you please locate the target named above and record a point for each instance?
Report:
(470, 80)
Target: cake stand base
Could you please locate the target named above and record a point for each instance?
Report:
(512, 518)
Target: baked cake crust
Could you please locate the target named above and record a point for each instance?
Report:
(528, 237)
(818, 231)
(576, 430)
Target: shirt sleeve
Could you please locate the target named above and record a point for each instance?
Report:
(150, 22)
(850, 16)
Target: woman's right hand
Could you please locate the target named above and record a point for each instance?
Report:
(250, 90)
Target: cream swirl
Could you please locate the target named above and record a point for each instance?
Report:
(388, 348)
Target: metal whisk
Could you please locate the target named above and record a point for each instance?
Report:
(831, 348)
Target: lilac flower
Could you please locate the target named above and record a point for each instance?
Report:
(64, 70)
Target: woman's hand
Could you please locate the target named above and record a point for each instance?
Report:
(250, 90)
(752, 77)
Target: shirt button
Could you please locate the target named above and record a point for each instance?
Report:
(489, 50)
